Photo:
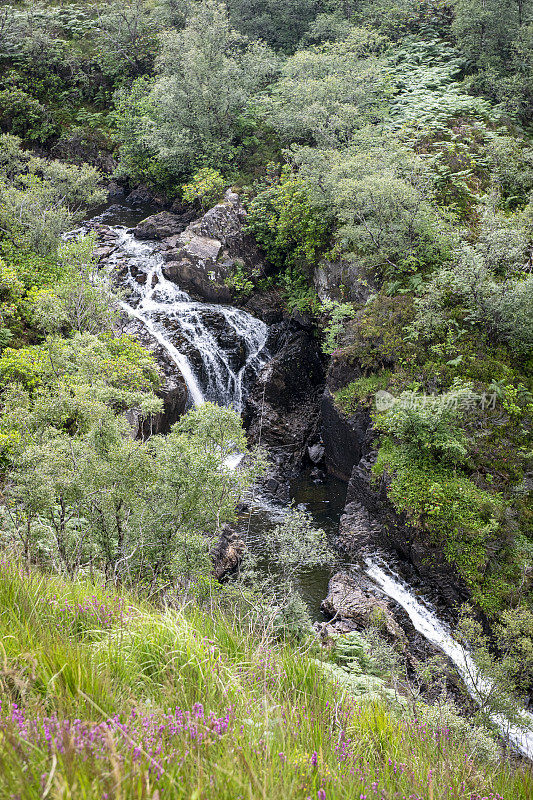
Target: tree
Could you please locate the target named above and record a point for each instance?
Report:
(292, 229)
(326, 93)
(486, 29)
(190, 116)
(281, 23)
(41, 199)
(82, 493)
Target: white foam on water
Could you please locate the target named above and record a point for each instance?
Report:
(169, 313)
(435, 631)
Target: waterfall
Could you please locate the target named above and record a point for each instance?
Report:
(218, 349)
(428, 624)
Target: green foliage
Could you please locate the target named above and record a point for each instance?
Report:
(205, 187)
(425, 453)
(281, 23)
(326, 93)
(486, 283)
(501, 675)
(131, 662)
(190, 116)
(40, 199)
(361, 391)
(454, 512)
(291, 228)
(337, 314)
(23, 115)
(240, 280)
(428, 426)
(82, 492)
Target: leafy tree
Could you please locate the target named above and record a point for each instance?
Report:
(381, 195)
(190, 116)
(206, 187)
(288, 225)
(490, 281)
(281, 23)
(40, 199)
(326, 93)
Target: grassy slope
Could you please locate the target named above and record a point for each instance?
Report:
(110, 698)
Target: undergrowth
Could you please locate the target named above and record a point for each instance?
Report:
(105, 696)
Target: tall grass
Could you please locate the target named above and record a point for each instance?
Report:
(106, 697)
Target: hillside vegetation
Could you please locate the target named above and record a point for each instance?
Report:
(383, 151)
(105, 696)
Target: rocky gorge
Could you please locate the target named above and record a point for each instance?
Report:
(177, 273)
(289, 405)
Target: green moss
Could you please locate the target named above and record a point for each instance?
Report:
(447, 505)
(361, 390)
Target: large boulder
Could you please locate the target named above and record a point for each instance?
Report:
(203, 256)
(192, 263)
(353, 598)
(160, 226)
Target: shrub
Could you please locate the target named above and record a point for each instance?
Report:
(205, 187)
(290, 227)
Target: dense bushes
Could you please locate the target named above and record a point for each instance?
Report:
(291, 229)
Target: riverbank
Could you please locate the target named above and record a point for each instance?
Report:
(103, 690)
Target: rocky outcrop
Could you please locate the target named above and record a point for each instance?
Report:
(227, 553)
(347, 437)
(337, 280)
(370, 523)
(203, 255)
(160, 226)
(282, 408)
(173, 390)
(143, 196)
(353, 599)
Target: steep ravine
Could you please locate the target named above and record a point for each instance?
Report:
(275, 376)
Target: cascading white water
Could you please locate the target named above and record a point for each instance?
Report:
(428, 624)
(194, 335)
(218, 349)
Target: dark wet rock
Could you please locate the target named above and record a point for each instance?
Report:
(282, 409)
(267, 306)
(160, 226)
(370, 523)
(103, 251)
(115, 191)
(347, 437)
(227, 553)
(142, 195)
(317, 475)
(352, 598)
